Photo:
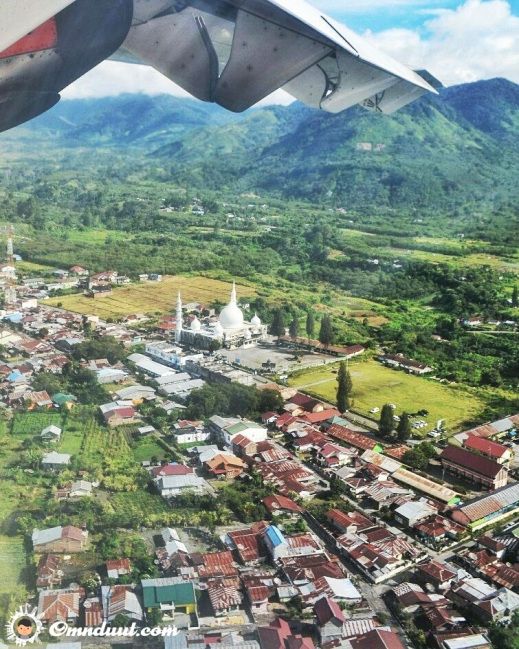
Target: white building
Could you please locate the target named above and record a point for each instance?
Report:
(230, 331)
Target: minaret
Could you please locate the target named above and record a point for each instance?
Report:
(10, 291)
(233, 293)
(178, 326)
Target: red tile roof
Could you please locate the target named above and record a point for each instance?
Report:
(318, 417)
(437, 571)
(485, 446)
(377, 639)
(118, 564)
(171, 469)
(327, 609)
(476, 463)
(351, 437)
(278, 503)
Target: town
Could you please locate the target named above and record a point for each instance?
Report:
(164, 477)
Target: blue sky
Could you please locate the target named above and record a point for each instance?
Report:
(459, 41)
(379, 15)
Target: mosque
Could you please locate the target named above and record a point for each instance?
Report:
(230, 330)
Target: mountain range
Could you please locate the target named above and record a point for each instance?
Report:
(453, 151)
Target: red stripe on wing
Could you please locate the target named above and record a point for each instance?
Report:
(43, 37)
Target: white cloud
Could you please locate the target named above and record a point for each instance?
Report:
(478, 40)
(113, 78)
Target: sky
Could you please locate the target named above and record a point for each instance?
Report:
(458, 41)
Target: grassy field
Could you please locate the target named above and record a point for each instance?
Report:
(146, 448)
(375, 385)
(151, 297)
(25, 424)
(12, 567)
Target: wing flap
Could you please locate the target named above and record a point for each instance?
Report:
(263, 58)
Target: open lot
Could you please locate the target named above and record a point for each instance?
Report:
(147, 447)
(151, 297)
(32, 423)
(375, 385)
(284, 359)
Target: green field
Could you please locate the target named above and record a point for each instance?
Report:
(375, 385)
(151, 297)
(146, 448)
(25, 424)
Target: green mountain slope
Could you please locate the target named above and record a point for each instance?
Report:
(457, 151)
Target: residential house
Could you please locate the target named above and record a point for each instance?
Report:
(332, 455)
(170, 486)
(121, 600)
(248, 544)
(48, 572)
(440, 575)
(413, 512)
(55, 461)
(278, 505)
(225, 466)
(278, 635)
(279, 546)
(224, 597)
(170, 595)
(51, 434)
(329, 620)
(119, 414)
(60, 605)
(379, 638)
(227, 428)
(353, 438)
(59, 540)
(437, 530)
(117, 567)
(407, 364)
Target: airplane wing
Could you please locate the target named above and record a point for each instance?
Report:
(232, 52)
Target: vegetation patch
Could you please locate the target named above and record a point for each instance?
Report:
(374, 385)
(151, 297)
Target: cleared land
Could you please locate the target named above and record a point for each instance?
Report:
(375, 385)
(32, 423)
(151, 297)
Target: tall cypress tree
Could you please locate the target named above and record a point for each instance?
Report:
(404, 427)
(385, 425)
(344, 388)
(294, 327)
(310, 324)
(277, 328)
(326, 331)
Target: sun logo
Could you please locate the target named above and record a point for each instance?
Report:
(24, 626)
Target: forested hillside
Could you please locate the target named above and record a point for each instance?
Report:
(455, 151)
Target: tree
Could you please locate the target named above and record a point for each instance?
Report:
(385, 425)
(326, 331)
(515, 297)
(344, 388)
(294, 327)
(310, 324)
(277, 328)
(404, 427)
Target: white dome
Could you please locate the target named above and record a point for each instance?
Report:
(231, 317)
(255, 320)
(195, 324)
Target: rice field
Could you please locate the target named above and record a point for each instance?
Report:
(151, 298)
